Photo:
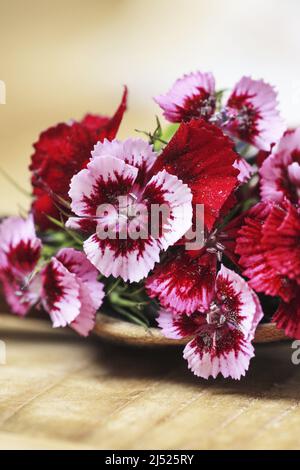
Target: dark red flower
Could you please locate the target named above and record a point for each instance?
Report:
(281, 240)
(287, 316)
(183, 283)
(270, 255)
(60, 153)
(202, 157)
(254, 256)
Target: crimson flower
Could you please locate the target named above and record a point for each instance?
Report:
(203, 158)
(60, 153)
(268, 245)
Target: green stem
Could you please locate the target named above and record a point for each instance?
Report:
(129, 316)
(112, 288)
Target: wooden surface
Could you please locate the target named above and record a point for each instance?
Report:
(122, 332)
(60, 391)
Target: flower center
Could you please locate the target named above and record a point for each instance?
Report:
(129, 207)
(215, 316)
(201, 105)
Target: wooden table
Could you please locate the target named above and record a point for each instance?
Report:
(58, 391)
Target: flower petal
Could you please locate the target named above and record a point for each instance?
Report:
(280, 171)
(77, 263)
(184, 284)
(233, 362)
(102, 182)
(180, 325)
(165, 190)
(240, 304)
(85, 321)
(263, 277)
(20, 251)
(131, 260)
(281, 241)
(287, 316)
(61, 293)
(19, 246)
(134, 152)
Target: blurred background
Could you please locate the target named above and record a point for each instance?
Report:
(62, 58)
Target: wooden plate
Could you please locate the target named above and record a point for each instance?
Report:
(122, 332)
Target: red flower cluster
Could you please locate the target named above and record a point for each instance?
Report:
(104, 186)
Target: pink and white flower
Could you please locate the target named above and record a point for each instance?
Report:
(222, 335)
(119, 181)
(191, 96)
(20, 251)
(71, 292)
(252, 113)
(280, 172)
(67, 287)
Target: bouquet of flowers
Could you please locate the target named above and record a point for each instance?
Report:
(193, 227)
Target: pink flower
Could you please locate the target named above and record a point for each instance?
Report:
(280, 172)
(222, 334)
(20, 250)
(191, 96)
(67, 287)
(252, 113)
(71, 293)
(119, 179)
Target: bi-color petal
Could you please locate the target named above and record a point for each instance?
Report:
(192, 96)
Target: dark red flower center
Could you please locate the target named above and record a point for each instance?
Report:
(199, 105)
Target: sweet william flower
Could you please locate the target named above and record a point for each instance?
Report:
(280, 171)
(268, 243)
(71, 293)
(20, 251)
(192, 96)
(120, 177)
(67, 287)
(281, 235)
(60, 153)
(222, 334)
(252, 115)
(251, 246)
